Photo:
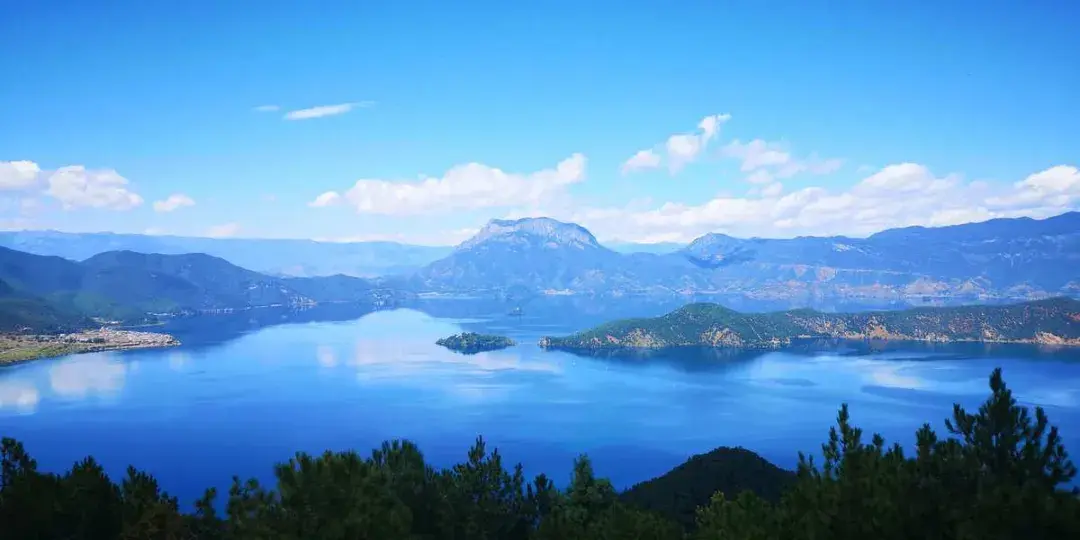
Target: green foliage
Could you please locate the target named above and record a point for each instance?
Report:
(471, 342)
(705, 324)
(999, 475)
(20, 310)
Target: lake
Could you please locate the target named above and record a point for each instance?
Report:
(248, 390)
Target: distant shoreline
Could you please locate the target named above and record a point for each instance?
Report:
(18, 348)
(546, 344)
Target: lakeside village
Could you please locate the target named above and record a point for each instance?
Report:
(22, 347)
(112, 336)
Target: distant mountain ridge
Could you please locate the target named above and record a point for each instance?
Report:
(129, 286)
(999, 259)
(294, 258)
(1054, 321)
(1004, 258)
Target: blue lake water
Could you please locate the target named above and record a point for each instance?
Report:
(246, 391)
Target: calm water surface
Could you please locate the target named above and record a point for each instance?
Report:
(246, 391)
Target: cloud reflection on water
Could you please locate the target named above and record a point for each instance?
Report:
(84, 375)
(326, 356)
(396, 358)
(19, 396)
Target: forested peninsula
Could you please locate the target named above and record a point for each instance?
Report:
(1054, 321)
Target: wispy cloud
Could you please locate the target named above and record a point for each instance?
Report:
(267, 108)
(681, 148)
(173, 202)
(326, 110)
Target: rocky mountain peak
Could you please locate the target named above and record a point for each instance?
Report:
(540, 231)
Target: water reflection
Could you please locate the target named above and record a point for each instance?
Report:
(326, 356)
(177, 360)
(689, 359)
(84, 375)
(349, 378)
(18, 396)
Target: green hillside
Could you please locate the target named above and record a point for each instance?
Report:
(49, 292)
(20, 311)
(1052, 321)
(681, 491)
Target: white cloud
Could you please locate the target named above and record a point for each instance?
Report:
(326, 110)
(223, 231)
(772, 190)
(898, 195)
(329, 198)
(75, 187)
(680, 149)
(463, 187)
(644, 159)
(18, 174)
(1056, 186)
(173, 202)
(769, 159)
(760, 176)
(756, 154)
(267, 108)
(684, 148)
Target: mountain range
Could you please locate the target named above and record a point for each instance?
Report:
(999, 259)
(280, 257)
(52, 292)
(284, 257)
(1017, 258)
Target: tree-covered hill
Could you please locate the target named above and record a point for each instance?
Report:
(1051, 321)
(129, 286)
(20, 311)
(680, 492)
(999, 474)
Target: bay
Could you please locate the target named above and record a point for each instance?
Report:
(247, 390)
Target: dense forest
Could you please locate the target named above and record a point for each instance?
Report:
(999, 473)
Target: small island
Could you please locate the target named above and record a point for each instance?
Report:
(1054, 321)
(23, 347)
(472, 343)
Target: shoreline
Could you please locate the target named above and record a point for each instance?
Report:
(18, 348)
(546, 345)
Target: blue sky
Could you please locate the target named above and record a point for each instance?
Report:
(806, 117)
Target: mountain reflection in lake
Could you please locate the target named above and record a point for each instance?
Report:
(248, 389)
